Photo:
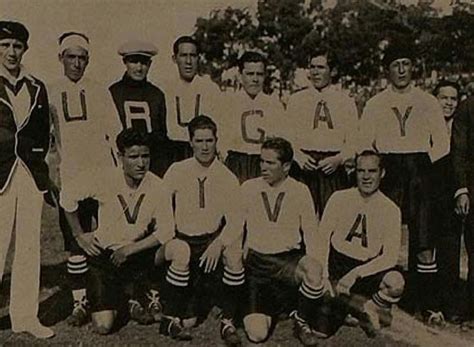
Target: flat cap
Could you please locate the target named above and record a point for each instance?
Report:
(14, 30)
(398, 50)
(136, 47)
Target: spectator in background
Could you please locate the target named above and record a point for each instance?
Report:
(446, 225)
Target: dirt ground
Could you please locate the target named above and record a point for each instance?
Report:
(56, 303)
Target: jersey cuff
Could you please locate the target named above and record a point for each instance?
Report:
(461, 191)
(69, 206)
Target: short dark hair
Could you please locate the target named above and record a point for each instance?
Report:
(326, 52)
(184, 39)
(201, 122)
(251, 57)
(446, 83)
(71, 33)
(132, 137)
(370, 153)
(281, 146)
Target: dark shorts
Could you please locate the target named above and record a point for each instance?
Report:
(407, 183)
(88, 210)
(244, 166)
(332, 313)
(108, 286)
(321, 185)
(204, 287)
(272, 282)
(340, 264)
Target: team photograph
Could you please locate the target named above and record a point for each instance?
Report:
(237, 173)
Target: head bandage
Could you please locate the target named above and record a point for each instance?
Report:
(73, 41)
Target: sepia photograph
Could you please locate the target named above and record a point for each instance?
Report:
(237, 173)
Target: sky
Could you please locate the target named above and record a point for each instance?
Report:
(108, 23)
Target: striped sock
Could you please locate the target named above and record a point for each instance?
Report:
(233, 278)
(175, 292)
(427, 286)
(427, 268)
(177, 277)
(311, 293)
(310, 298)
(383, 300)
(233, 282)
(77, 265)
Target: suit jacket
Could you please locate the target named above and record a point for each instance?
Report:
(462, 146)
(28, 141)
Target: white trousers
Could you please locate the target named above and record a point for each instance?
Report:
(20, 211)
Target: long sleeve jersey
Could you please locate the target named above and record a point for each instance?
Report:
(126, 215)
(366, 229)
(409, 122)
(274, 216)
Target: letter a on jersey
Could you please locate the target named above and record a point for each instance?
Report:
(359, 230)
(321, 107)
(402, 120)
(273, 214)
(131, 218)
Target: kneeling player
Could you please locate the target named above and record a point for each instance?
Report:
(204, 193)
(135, 218)
(276, 207)
(361, 233)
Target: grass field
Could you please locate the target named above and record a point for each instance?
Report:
(55, 306)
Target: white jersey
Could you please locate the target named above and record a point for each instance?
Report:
(85, 126)
(203, 197)
(274, 216)
(409, 122)
(366, 229)
(246, 122)
(323, 121)
(126, 215)
(184, 101)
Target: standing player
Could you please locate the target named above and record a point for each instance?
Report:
(139, 103)
(251, 117)
(135, 217)
(24, 135)
(406, 125)
(281, 265)
(83, 123)
(462, 143)
(187, 96)
(445, 223)
(361, 237)
(202, 187)
(323, 121)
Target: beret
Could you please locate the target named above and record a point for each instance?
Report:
(14, 30)
(136, 47)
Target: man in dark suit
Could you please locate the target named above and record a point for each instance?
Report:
(24, 141)
(462, 147)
